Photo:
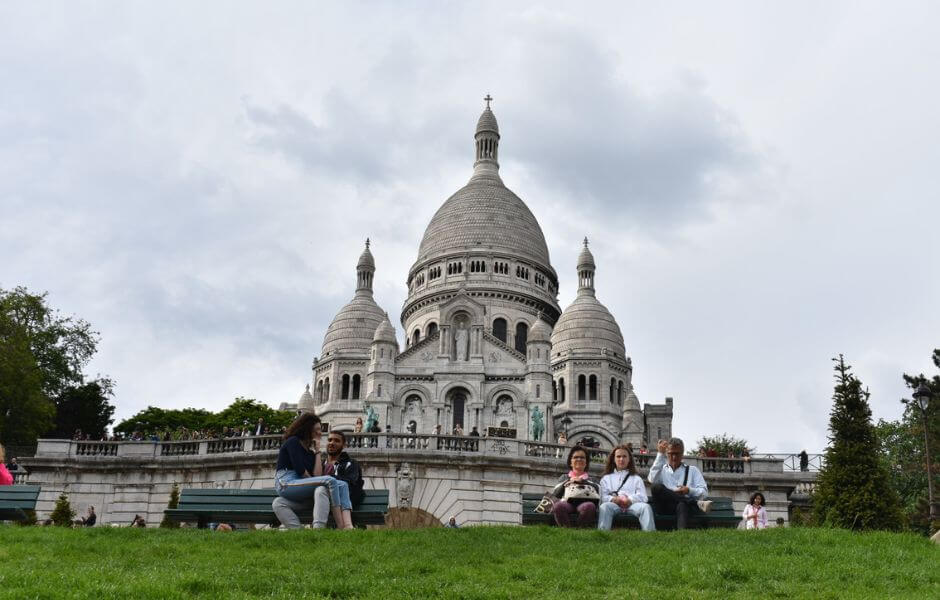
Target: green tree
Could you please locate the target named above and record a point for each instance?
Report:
(62, 515)
(853, 489)
(902, 450)
(84, 407)
(174, 502)
(155, 421)
(247, 411)
(723, 444)
(41, 355)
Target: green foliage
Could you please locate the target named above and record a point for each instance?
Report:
(494, 563)
(62, 515)
(153, 420)
(30, 519)
(174, 502)
(853, 490)
(723, 444)
(242, 412)
(84, 407)
(42, 354)
(903, 451)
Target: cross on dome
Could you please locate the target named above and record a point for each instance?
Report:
(488, 99)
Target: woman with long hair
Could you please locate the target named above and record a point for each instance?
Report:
(299, 470)
(623, 491)
(577, 475)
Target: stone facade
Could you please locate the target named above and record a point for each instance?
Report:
(487, 344)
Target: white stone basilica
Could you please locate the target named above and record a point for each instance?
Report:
(487, 343)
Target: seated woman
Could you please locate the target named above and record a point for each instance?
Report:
(299, 470)
(623, 491)
(755, 516)
(578, 473)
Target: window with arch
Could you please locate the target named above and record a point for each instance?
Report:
(538, 391)
(539, 279)
(356, 384)
(613, 390)
(522, 335)
(582, 387)
(326, 389)
(501, 268)
(345, 389)
(499, 329)
(592, 388)
(554, 391)
(416, 336)
(319, 391)
(620, 393)
(561, 389)
(432, 329)
(477, 266)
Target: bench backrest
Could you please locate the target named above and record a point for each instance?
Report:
(20, 496)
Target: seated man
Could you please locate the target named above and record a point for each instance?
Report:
(339, 465)
(678, 489)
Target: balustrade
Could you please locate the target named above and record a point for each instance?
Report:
(179, 448)
(96, 448)
(225, 445)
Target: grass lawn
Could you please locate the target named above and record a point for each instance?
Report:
(481, 562)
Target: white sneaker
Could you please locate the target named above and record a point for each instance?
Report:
(705, 506)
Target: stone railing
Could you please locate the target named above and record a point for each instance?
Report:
(19, 477)
(423, 444)
(791, 462)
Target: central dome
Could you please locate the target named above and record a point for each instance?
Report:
(485, 215)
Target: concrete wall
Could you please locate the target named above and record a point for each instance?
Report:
(478, 480)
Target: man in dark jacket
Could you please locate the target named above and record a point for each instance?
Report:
(339, 465)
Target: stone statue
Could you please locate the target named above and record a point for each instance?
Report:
(460, 341)
(371, 418)
(538, 424)
(405, 486)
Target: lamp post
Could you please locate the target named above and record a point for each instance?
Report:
(922, 396)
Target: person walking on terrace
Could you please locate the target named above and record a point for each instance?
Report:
(623, 491)
(299, 472)
(678, 488)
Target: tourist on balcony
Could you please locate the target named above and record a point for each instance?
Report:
(260, 427)
(755, 516)
(678, 489)
(358, 427)
(299, 472)
(623, 491)
(577, 476)
(5, 477)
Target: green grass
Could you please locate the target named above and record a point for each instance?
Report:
(481, 562)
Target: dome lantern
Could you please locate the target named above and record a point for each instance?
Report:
(487, 144)
(586, 268)
(365, 270)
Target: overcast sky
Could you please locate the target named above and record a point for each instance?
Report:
(759, 182)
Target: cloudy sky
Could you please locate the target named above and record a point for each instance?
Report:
(759, 182)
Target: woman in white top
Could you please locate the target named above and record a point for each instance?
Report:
(622, 490)
(755, 516)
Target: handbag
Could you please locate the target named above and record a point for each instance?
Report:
(580, 492)
(545, 504)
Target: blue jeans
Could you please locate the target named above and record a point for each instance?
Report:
(289, 486)
(641, 510)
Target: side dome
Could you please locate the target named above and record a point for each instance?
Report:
(385, 332)
(540, 332)
(353, 327)
(587, 326)
(305, 402)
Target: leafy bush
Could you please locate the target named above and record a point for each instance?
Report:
(174, 502)
(723, 444)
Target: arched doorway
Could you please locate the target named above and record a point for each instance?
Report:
(458, 404)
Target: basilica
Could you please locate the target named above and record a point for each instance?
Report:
(487, 344)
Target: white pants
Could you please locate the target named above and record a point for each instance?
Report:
(641, 510)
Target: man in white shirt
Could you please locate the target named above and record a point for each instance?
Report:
(678, 489)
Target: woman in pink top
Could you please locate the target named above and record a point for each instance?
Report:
(755, 516)
(5, 477)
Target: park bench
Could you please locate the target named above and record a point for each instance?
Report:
(721, 515)
(15, 500)
(204, 506)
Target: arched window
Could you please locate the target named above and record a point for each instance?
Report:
(561, 389)
(554, 391)
(522, 334)
(380, 391)
(416, 337)
(345, 390)
(432, 329)
(593, 388)
(356, 380)
(499, 329)
(319, 391)
(620, 393)
(326, 389)
(613, 390)
(582, 387)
